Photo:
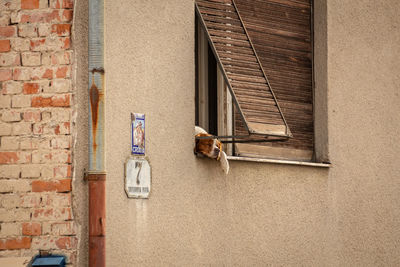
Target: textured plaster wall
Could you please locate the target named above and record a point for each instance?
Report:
(260, 213)
(364, 127)
(79, 187)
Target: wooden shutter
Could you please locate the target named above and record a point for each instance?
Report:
(281, 32)
(255, 101)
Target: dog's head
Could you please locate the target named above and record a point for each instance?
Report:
(208, 147)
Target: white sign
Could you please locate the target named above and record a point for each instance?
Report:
(137, 178)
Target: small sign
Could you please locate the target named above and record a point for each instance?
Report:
(137, 178)
(138, 133)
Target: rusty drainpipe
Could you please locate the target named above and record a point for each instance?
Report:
(96, 174)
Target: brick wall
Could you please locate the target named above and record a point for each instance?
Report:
(35, 128)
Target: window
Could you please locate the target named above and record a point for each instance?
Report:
(254, 76)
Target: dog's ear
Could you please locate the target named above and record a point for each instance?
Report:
(223, 161)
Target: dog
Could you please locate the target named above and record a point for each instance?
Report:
(211, 148)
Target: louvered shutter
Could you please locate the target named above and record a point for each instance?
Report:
(281, 32)
(255, 101)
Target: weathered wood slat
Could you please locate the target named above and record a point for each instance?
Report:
(234, 49)
(303, 107)
(255, 107)
(267, 98)
(221, 13)
(259, 100)
(236, 56)
(221, 26)
(292, 75)
(288, 5)
(285, 86)
(264, 117)
(230, 41)
(275, 12)
(292, 4)
(221, 1)
(255, 24)
(214, 5)
(298, 98)
(227, 34)
(265, 40)
(248, 65)
(249, 85)
(245, 71)
(223, 21)
(269, 64)
(259, 29)
(247, 78)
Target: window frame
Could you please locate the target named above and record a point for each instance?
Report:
(272, 156)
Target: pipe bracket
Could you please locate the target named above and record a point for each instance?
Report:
(94, 176)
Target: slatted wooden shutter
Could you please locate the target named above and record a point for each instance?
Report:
(255, 101)
(281, 33)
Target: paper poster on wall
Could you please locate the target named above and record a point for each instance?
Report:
(138, 133)
(137, 177)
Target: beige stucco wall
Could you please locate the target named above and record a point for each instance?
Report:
(364, 127)
(260, 213)
(80, 155)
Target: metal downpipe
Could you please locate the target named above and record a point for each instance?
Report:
(96, 174)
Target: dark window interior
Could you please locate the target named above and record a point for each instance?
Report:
(212, 94)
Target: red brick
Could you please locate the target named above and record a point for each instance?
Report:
(15, 243)
(52, 16)
(67, 242)
(14, 157)
(57, 200)
(41, 73)
(62, 72)
(62, 4)
(10, 59)
(5, 75)
(40, 101)
(50, 44)
(61, 29)
(4, 45)
(55, 101)
(67, 15)
(48, 74)
(8, 157)
(31, 88)
(22, 74)
(61, 101)
(29, 4)
(38, 42)
(46, 186)
(61, 58)
(32, 116)
(43, 213)
(31, 229)
(62, 171)
(30, 200)
(52, 214)
(63, 228)
(63, 128)
(8, 31)
(67, 43)
(67, 4)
